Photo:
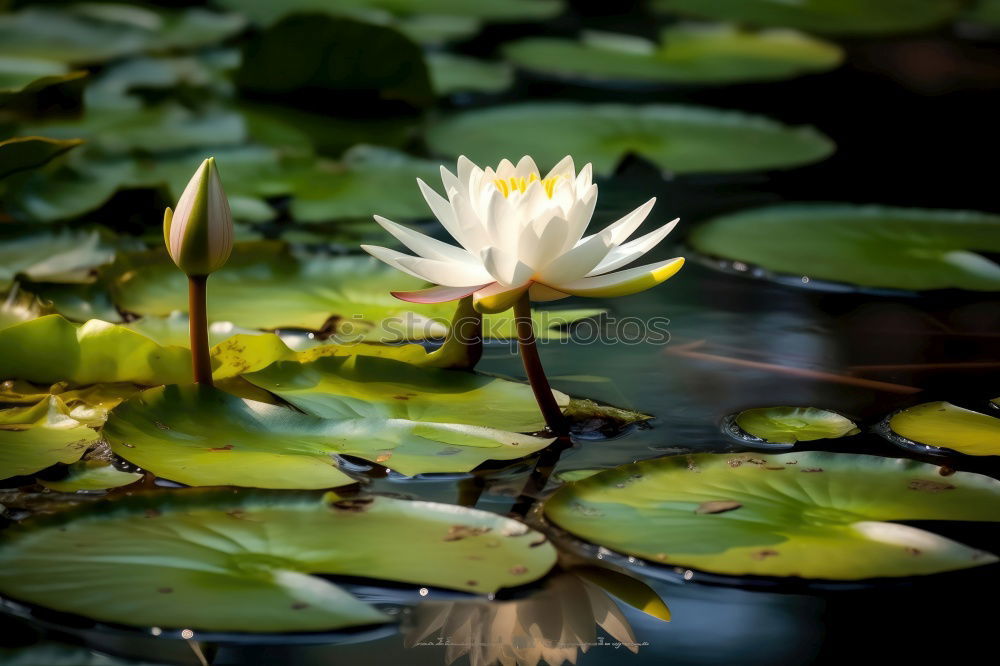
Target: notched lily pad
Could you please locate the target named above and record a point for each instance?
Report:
(203, 436)
(941, 427)
(679, 139)
(256, 562)
(787, 425)
(33, 438)
(810, 515)
(867, 246)
(686, 54)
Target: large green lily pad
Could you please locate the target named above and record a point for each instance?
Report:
(687, 54)
(947, 426)
(30, 152)
(202, 436)
(842, 17)
(680, 139)
(360, 386)
(787, 425)
(870, 246)
(266, 286)
(251, 562)
(812, 515)
(51, 349)
(65, 255)
(458, 74)
(36, 437)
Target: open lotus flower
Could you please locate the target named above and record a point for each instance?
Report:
(522, 232)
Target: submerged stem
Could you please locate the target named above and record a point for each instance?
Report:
(533, 367)
(198, 327)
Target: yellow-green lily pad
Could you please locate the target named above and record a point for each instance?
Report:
(943, 425)
(202, 436)
(680, 139)
(813, 515)
(255, 562)
(89, 476)
(36, 437)
(787, 425)
(686, 54)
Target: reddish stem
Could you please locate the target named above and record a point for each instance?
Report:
(533, 367)
(198, 326)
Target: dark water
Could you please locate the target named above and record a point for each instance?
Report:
(896, 146)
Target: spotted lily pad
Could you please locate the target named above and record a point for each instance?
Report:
(869, 246)
(33, 438)
(943, 425)
(51, 349)
(91, 475)
(254, 562)
(359, 386)
(681, 139)
(787, 425)
(267, 286)
(203, 436)
(687, 54)
(813, 515)
(842, 17)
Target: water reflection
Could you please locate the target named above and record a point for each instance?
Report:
(553, 626)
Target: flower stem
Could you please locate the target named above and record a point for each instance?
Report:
(198, 327)
(533, 367)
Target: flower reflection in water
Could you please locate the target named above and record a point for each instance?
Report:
(552, 626)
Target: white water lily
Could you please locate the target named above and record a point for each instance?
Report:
(521, 232)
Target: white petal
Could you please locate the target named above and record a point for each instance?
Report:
(445, 273)
(579, 216)
(445, 212)
(424, 245)
(539, 249)
(629, 252)
(466, 168)
(471, 232)
(577, 262)
(525, 167)
(505, 267)
(584, 178)
(391, 257)
(450, 182)
(565, 167)
(622, 283)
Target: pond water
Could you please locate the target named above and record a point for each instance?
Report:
(735, 342)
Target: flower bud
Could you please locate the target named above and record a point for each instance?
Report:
(199, 234)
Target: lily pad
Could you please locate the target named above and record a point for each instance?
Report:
(869, 246)
(787, 425)
(686, 54)
(51, 255)
(943, 425)
(267, 286)
(202, 436)
(20, 305)
(89, 476)
(840, 17)
(33, 438)
(224, 561)
(30, 152)
(680, 139)
(266, 11)
(51, 349)
(458, 74)
(368, 387)
(812, 515)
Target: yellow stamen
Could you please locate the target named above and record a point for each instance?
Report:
(509, 185)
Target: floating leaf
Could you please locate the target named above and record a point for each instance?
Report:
(30, 152)
(813, 515)
(19, 306)
(56, 654)
(368, 387)
(253, 562)
(33, 438)
(63, 255)
(787, 425)
(91, 475)
(202, 436)
(947, 426)
(266, 11)
(267, 286)
(870, 246)
(51, 349)
(841, 17)
(454, 74)
(680, 139)
(686, 54)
